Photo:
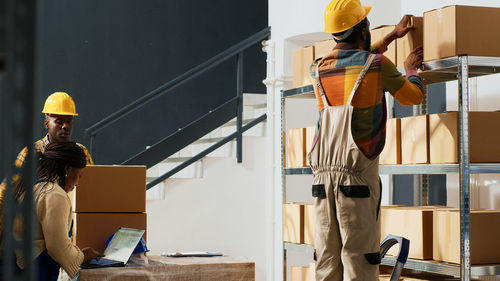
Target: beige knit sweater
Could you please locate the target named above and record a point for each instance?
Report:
(54, 214)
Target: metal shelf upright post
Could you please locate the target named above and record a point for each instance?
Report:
(464, 169)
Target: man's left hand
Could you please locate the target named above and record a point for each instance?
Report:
(403, 27)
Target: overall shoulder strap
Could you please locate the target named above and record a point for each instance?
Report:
(361, 76)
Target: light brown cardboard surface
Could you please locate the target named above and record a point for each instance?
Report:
(410, 41)
(293, 223)
(414, 140)
(310, 133)
(323, 48)
(303, 273)
(309, 224)
(111, 189)
(484, 233)
(301, 61)
(456, 30)
(378, 33)
(413, 223)
(296, 148)
(391, 154)
(92, 229)
(483, 141)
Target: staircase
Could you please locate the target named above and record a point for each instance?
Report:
(254, 105)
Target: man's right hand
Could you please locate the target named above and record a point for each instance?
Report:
(414, 59)
(90, 254)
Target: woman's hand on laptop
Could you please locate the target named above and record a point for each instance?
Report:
(89, 254)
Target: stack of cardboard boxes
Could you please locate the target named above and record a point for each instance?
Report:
(107, 198)
(434, 139)
(434, 232)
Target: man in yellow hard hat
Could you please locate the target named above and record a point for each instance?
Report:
(349, 85)
(59, 110)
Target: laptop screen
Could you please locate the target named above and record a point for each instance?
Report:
(122, 245)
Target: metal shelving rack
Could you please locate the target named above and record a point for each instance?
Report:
(443, 70)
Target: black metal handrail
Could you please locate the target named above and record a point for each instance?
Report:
(185, 135)
(199, 127)
(181, 79)
(205, 152)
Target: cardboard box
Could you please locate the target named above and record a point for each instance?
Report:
(323, 48)
(296, 148)
(309, 224)
(108, 189)
(310, 134)
(293, 223)
(93, 229)
(410, 41)
(378, 34)
(484, 233)
(483, 141)
(391, 155)
(414, 223)
(415, 140)
(456, 30)
(303, 273)
(302, 60)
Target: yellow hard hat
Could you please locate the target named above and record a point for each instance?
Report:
(341, 15)
(60, 103)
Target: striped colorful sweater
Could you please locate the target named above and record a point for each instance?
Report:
(338, 72)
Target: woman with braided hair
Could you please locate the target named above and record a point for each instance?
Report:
(60, 168)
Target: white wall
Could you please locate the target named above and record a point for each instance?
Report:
(224, 211)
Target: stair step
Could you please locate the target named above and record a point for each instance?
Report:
(227, 150)
(157, 192)
(208, 140)
(254, 99)
(177, 159)
(233, 122)
(194, 170)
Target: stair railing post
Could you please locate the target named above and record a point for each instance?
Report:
(92, 146)
(239, 116)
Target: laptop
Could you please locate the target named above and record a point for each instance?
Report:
(119, 249)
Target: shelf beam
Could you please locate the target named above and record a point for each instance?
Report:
(444, 268)
(431, 266)
(437, 169)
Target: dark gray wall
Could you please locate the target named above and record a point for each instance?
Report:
(106, 54)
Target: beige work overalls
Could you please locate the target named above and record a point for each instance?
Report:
(347, 194)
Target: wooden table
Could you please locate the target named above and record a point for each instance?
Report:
(177, 269)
